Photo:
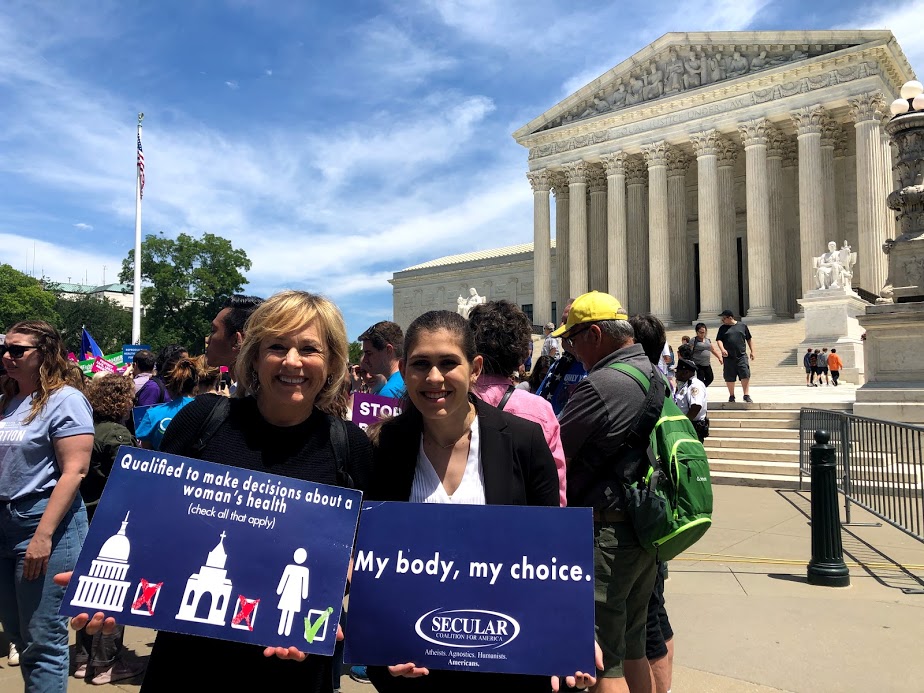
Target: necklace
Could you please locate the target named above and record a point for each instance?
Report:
(452, 444)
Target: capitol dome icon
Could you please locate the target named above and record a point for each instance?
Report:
(105, 587)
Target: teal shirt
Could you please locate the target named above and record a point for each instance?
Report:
(156, 419)
(394, 387)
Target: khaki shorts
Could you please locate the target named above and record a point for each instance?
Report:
(624, 576)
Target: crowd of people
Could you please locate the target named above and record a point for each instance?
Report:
(475, 428)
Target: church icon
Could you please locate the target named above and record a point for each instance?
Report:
(208, 592)
(105, 588)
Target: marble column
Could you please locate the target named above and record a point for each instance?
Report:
(596, 260)
(760, 287)
(727, 155)
(890, 183)
(792, 248)
(578, 172)
(777, 193)
(808, 122)
(616, 247)
(542, 246)
(710, 291)
(681, 269)
(869, 272)
(828, 139)
(637, 227)
(840, 188)
(562, 212)
(659, 273)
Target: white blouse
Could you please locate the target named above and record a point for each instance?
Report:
(427, 487)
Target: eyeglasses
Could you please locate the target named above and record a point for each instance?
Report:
(16, 351)
(570, 339)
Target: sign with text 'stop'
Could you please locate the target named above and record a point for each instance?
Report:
(206, 549)
(369, 408)
(491, 588)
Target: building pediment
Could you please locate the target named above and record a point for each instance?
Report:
(686, 64)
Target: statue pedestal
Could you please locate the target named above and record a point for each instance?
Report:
(831, 321)
(894, 388)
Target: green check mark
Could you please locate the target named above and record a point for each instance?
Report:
(311, 629)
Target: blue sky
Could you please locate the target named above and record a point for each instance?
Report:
(336, 143)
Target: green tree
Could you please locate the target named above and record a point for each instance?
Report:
(186, 280)
(109, 323)
(356, 352)
(23, 298)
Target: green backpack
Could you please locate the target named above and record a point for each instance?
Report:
(672, 507)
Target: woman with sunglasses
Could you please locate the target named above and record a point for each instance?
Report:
(46, 437)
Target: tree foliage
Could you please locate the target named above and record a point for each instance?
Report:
(356, 352)
(23, 298)
(186, 280)
(106, 320)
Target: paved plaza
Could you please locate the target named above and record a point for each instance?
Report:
(747, 621)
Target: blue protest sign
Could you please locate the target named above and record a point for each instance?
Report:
(129, 351)
(194, 547)
(504, 589)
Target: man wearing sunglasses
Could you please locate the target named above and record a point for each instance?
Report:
(594, 425)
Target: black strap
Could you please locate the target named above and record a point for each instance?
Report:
(212, 422)
(340, 442)
(506, 397)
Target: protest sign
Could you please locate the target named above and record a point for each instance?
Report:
(87, 365)
(194, 547)
(101, 365)
(492, 588)
(129, 351)
(368, 408)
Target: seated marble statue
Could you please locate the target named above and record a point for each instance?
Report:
(833, 268)
(465, 305)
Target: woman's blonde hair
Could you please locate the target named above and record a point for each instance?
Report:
(208, 375)
(291, 311)
(54, 371)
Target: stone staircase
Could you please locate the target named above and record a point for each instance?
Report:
(779, 359)
(757, 445)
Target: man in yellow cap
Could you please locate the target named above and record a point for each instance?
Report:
(595, 424)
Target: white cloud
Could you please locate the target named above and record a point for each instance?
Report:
(268, 72)
(905, 20)
(83, 227)
(384, 49)
(232, 84)
(73, 265)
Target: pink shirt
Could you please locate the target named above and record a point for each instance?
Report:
(491, 389)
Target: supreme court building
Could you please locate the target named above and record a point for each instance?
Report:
(704, 172)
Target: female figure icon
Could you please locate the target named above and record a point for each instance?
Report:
(293, 588)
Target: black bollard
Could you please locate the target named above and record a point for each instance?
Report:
(827, 567)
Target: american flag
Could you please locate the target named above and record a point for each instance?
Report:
(140, 165)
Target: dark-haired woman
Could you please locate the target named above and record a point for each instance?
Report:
(702, 348)
(452, 448)
(503, 339)
(46, 435)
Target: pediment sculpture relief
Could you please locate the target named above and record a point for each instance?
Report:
(681, 69)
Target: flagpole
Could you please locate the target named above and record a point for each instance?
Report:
(136, 294)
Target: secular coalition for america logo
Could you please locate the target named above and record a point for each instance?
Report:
(471, 628)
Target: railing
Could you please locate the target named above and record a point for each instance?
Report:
(880, 465)
(867, 296)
